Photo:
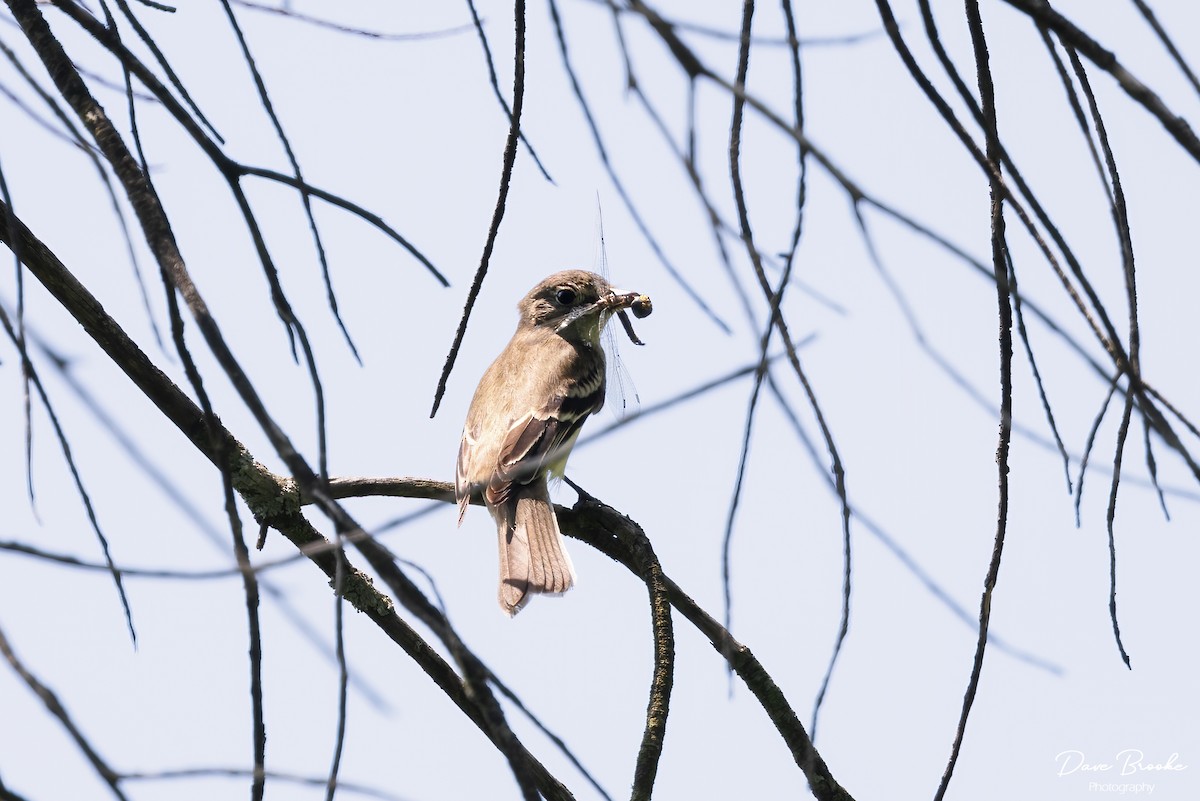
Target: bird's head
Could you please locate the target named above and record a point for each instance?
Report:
(572, 303)
(576, 305)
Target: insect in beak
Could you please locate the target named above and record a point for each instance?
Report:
(618, 302)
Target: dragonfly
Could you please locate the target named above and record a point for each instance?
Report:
(620, 304)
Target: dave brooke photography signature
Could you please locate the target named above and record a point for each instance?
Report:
(1129, 762)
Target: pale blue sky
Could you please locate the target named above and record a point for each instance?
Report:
(410, 130)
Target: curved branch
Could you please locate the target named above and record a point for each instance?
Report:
(211, 149)
(645, 565)
(608, 531)
(619, 538)
(1000, 267)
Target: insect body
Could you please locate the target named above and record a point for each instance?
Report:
(640, 305)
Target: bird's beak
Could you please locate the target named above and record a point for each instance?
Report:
(575, 314)
(613, 302)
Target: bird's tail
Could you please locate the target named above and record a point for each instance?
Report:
(533, 556)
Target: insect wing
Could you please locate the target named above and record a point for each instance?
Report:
(622, 397)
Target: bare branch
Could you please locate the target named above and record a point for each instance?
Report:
(56, 708)
(608, 531)
(1001, 267)
(287, 12)
(1041, 12)
(275, 500)
(495, 82)
(506, 170)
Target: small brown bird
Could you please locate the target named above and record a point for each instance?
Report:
(524, 420)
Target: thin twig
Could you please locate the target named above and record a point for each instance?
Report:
(747, 236)
(1090, 441)
(1041, 12)
(1125, 237)
(55, 707)
(1110, 517)
(1152, 469)
(477, 23)
(178, 498)
(339, 633)
(265, 100)
(1102, 329)
(1161, 33)
(558, 742)
(1006, 162)
(1000, 267)
(907, 561)
(30, 374)
(17, 334)
(228, 167)
(273, 775)
(618, 184)
(366, 216)
(1023, 335)
(506, 170)
(317, 22)
(161, 58)
(777, 321)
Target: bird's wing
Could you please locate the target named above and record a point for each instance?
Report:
(536, 440)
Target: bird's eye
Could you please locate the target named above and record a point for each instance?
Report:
(566, 296)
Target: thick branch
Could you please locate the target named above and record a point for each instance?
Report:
(272, 499)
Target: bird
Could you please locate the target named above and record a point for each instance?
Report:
(524, 419)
